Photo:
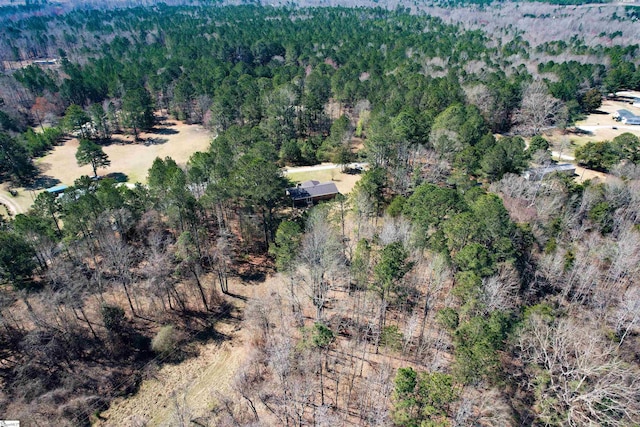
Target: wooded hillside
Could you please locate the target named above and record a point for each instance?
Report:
(445, 289)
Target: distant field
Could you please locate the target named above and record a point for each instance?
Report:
(600, 126)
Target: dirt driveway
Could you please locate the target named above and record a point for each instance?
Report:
(12, 208)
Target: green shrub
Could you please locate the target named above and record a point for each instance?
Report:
(165, 340)
(391, 337)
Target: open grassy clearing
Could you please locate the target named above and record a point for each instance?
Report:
(129, 160)
(197, 381)
(133, 159)
(19, 203)
(600, 126)
(193, 383)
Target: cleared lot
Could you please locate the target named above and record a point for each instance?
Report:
(130, 160)
(601, 126)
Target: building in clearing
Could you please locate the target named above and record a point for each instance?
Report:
(310, 192)
(537, 174)
(636, 102)
(626, 117)
(57, 190)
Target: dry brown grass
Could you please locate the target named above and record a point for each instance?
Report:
(177, 140)
(197, 379)
(19, 203)
(133, 159)
(601, 125)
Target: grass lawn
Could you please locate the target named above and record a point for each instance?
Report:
(131, 160)
(599, 126)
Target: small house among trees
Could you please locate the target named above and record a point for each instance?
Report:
(537, 174)
(57, 190)
(626, 117)
(311, 192)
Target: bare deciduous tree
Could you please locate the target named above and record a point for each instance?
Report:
(501, 292)
(538, 111)
(321, 257)
(578, 375)
(483, 408)
(627, 314)
(395, 230)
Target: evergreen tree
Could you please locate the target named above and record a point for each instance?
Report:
(90, 153)
(137, 108)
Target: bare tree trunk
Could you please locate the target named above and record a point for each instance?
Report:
(93, 332)
(126, 291)
(200, 288)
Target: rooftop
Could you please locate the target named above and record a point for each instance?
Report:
(312, 189)
(559, 167)
(536, 174)
(57, 189)
(626, 114)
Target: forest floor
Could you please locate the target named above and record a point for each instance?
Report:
(195, 382)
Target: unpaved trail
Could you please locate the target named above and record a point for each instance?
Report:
(320, 167)
(13, 208)
(591, 128)
(562, 156)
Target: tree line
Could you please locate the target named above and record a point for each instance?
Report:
(261, 76)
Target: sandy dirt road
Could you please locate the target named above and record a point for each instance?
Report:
(300, 169)
(13, 208)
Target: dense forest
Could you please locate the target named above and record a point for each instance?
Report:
(445, 289)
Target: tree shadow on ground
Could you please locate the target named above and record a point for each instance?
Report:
(112, 141)
(164, 131)
(41, 182)
(153, 141)
(237, 296)
(252, 276)
(117, 176)
(578, 131)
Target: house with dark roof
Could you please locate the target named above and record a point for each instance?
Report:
(626, 117)
(310, 192)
